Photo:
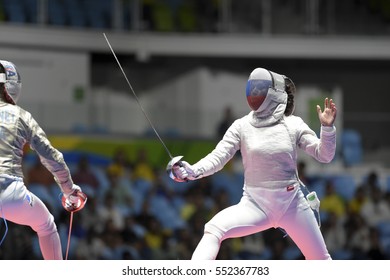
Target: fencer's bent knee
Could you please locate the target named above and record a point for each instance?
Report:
(214, 230)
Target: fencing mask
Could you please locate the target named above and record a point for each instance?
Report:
(11, 79)
(260, 82)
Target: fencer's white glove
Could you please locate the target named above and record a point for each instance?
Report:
(184, 171)
(74, 198)
(72, 192)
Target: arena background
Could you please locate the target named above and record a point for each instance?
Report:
(188, 61)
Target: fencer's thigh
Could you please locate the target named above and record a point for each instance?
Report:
(23, 207)
(242, 219)
(301, 225)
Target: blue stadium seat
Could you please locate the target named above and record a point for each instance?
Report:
(351, 147)
(317, 185)
(231, 183)
(341, 255)
(344, 185)
(167, 215)
(76, 13)
(266, 255)
(14, 11)
(142, 186)
(31, 8)
(384, 229)
(98, 13)
(56, 13)
(292, 253)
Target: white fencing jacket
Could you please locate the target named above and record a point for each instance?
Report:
(269, 151)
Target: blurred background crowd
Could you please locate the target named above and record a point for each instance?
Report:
(134, 210)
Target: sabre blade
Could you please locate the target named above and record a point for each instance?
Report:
(136, 98)
(69, 235)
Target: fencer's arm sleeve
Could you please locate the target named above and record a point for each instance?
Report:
(323, 149)
(50, 157)
(222, 153)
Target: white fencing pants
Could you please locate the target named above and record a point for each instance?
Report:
(247, 217)
(20, 206)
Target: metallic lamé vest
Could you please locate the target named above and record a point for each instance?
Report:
(18, 128)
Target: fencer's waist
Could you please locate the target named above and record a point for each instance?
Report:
(280, 184)
(6, 180)
(256, 175)
(10, 177)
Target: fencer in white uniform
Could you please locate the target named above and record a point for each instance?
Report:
(17, 203)
(268, 139)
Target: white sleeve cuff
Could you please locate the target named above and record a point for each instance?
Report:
(328, 129)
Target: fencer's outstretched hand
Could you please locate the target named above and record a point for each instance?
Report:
(328, 116)
(184, 171)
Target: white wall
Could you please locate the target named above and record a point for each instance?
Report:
(116, 112)
(194, 102)
(219, 90)
(49, 80)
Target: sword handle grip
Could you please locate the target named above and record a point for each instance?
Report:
(175, 161)
(181, 165)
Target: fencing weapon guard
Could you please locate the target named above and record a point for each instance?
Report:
(174, 160)
(71, 207)
(169, 169)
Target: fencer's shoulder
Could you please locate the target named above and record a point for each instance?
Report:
(238, 124)
(23, 112)
(293, 120)
(12, 109)
(244, 118)
(239, 120)
(24, 115)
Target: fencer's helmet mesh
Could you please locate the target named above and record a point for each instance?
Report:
(256, 92)
(258, 85)
(11, 80)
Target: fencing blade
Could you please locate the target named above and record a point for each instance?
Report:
(136, 98)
